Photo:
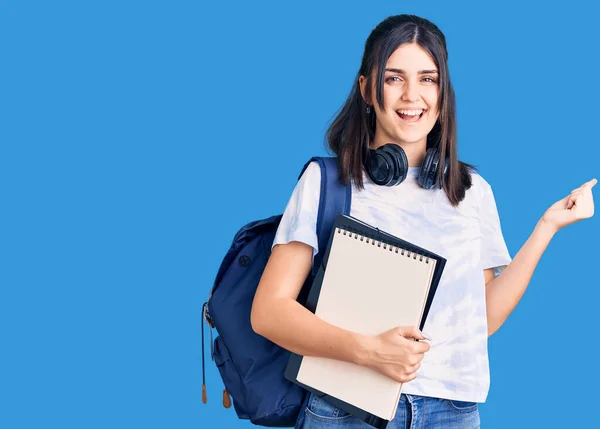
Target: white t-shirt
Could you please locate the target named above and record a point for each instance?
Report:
(469, 237)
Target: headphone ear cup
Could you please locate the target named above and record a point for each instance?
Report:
(400, 163)
(380, 167)
(427, 175)
(395, 167)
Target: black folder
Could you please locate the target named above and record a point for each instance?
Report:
(374, 235)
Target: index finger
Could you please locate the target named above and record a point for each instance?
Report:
(591, 183)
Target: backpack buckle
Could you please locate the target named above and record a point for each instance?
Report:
(206, 315)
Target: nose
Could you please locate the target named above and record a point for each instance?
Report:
(411, 91)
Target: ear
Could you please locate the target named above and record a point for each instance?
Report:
(362, 82)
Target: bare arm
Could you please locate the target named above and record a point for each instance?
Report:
(504, 292)
(277, 315)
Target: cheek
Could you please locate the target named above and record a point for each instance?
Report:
(389, 114)
(432, 100)
(434, 115)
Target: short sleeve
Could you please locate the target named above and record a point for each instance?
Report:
(299, 220)
(494, 252)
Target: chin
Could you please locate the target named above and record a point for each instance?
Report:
(411, 138)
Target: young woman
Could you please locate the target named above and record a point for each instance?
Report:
(402, 96)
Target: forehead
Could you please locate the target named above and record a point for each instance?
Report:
(411, 57)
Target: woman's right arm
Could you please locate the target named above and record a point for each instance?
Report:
(277, 316)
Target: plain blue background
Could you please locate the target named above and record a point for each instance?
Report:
(138, 137)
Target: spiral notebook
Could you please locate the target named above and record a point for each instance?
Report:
(370, 281)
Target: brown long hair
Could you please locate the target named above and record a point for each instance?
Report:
(352, 131)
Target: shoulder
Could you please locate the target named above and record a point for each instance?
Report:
(307, 190)
(312, 171)
(480, 186)
(310, 180)
(483, 195)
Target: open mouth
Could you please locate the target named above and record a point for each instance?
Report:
(411, 116)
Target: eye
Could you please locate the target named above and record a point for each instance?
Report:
(430, 79)
(393, 79)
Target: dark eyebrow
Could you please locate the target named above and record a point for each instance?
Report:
(400, 71)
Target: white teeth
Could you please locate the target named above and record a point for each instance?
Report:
(411, 112)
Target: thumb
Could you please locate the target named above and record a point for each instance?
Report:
(410, 332)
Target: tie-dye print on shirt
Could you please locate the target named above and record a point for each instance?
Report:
(469, 237)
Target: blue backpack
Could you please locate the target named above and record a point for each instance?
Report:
(251, 366)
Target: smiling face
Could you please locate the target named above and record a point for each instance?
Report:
(410, 96)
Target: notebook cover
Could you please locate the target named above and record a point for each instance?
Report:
(352, 224)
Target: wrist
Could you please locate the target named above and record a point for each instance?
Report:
(362, 347)
(546, 227)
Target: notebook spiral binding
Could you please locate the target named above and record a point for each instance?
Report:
(379, 243)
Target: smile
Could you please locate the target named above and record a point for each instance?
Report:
(410, 116)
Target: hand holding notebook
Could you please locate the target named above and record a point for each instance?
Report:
(370, 283)
(397, 353)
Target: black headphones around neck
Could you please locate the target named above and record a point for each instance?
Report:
(388, 166)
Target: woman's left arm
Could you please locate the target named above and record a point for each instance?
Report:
(504, 292)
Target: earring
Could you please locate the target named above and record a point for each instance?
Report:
(368, 109)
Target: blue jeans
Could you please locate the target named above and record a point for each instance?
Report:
(413, 412)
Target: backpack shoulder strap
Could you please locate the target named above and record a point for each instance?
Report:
(335, 199)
